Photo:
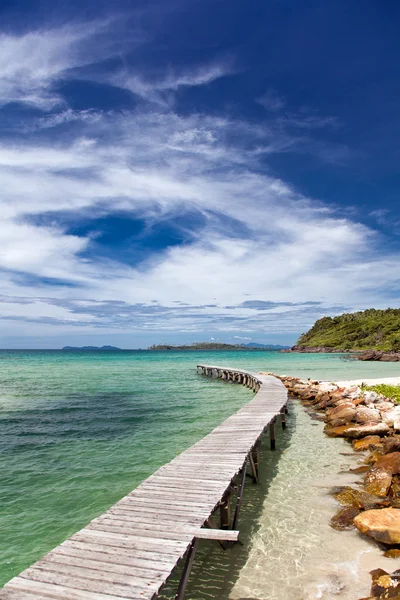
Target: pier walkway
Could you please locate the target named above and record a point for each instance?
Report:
(132, 549)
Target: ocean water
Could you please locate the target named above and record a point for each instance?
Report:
(79, 430)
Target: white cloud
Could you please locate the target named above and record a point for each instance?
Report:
(158, 89)
(272, 101)
(258, 239)
(288, 244)
(30, 63)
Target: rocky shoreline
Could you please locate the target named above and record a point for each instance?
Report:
(367, 355)
(314, 350)
(371, 423)
(379, 355)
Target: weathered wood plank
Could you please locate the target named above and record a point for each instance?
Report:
(89, 585)
(96, 562)
(130, 541)
(118, 555)
(113, 576)
(137, 532)
(223, 535)
(44, 590)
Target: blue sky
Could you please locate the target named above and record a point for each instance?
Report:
(174, 171)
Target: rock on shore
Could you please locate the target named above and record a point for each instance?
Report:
(383, 524)
(371, 423)
(379, 355)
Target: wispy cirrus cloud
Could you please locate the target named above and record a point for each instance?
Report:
(109, 216)
(158, 89)
(31, 63)
(147, 166)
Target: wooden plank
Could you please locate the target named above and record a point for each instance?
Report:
(161, 530)
(162, 510)
(137, 548)
(10, 594)
(167, 502)
(131, 541)
(200, 484)
(96, 562)
(186, 495)
(146, 516)
(109, 576)
(118, 555)
(84, 584)
(114, 577)
(43, 590)
(223, 535)
(138, 532)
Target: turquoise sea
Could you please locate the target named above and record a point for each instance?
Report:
(79, 430)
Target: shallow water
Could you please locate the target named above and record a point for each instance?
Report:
(289, 551)
(295, 553)
(80, 430)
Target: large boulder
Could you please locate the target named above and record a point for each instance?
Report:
(325, 386)
(346, 411)
(366, 443)
(390, 357)
(360, 499)
(384, 405)
(377, 481)
(371, 397)
(367, 415)
(381, 524)
(344, 518)
(385, 586)
(390, 462)
(391, 416)
(370, 355)
(354, 431)
(352, 392)
(391, 444)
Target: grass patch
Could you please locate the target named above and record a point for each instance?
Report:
(390, 391)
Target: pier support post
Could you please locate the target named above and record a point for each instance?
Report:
(272, 434)
(254, 459)
(186, 569)
(283, 417)
(240, 495)
(225, 512)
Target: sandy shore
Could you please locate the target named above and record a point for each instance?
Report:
(388, 380)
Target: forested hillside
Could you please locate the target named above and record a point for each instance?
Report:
(368, 329)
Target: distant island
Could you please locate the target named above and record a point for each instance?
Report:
(90, 348)
(375, 334)
(218, 346)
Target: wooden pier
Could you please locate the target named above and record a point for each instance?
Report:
(132, 549)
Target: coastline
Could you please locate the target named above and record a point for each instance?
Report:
(365, 354)
(95, 393)
(370, 421)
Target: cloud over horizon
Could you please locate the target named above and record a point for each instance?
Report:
(144, 206)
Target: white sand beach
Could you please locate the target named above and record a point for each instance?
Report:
(377, 381)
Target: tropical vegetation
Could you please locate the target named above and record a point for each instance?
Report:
(389, 391)
(368, 329)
